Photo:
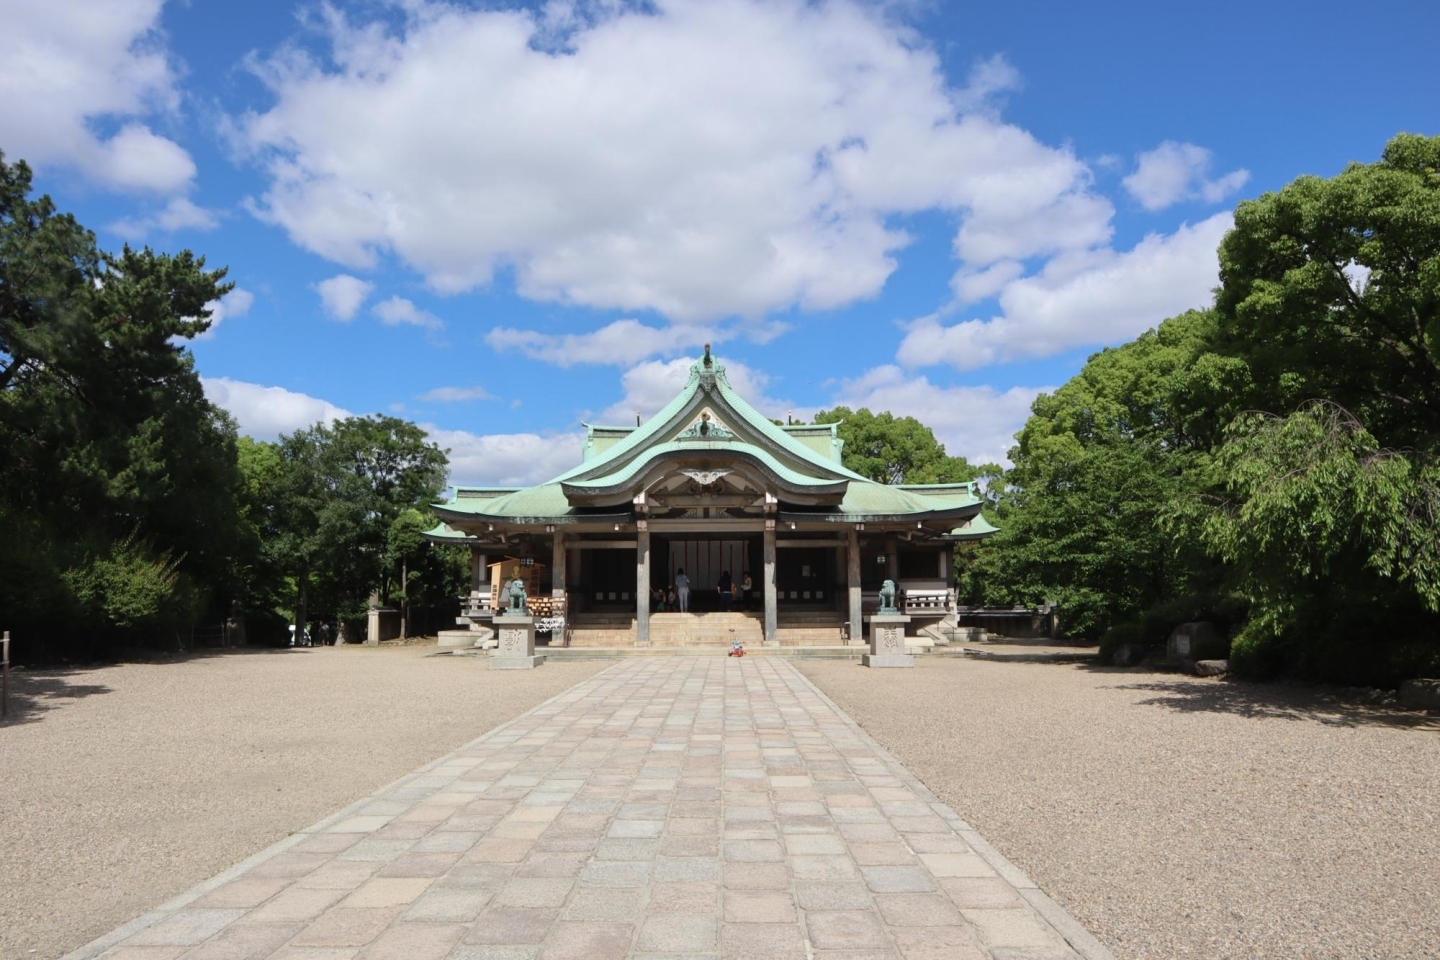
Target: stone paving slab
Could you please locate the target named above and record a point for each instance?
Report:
(665, 808)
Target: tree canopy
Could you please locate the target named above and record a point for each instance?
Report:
(118, 485)
(891, 449)
(129, 507)
(1269, 463)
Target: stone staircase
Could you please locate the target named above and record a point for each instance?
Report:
(706, 629)
(602, 629)
(794, 628)
(807, 628)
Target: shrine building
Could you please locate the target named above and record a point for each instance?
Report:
(709, 485)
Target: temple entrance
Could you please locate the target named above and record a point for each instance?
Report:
(703, 561)
(806, 577)
(608, 579)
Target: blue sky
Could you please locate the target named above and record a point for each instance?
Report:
(503, 219)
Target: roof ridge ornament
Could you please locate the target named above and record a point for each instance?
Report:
(707, 371)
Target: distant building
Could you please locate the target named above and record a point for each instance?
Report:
(710, 485)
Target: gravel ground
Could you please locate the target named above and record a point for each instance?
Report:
(1177, 817)
(123, 786)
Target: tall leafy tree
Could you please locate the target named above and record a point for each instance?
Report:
(337, 491)
(891, 449)
(1095, 466)
(114, 460)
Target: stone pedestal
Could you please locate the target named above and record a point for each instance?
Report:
(887, 641)
(516, 647)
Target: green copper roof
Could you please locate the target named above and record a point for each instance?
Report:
(823, 438)
(708, 386)
(706, 422)
(977, 528)
(723, 447)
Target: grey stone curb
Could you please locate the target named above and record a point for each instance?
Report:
(99, 945)
(1057, 916)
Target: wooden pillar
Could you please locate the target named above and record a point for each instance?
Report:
(892, 561)
(768, 583)
(852, 566)
(557, 566)
(642, 584)
(479, 571)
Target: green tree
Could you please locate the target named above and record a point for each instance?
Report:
(1095, 466)
(336, 493)
(1330, 289)
(114, 459)
(891, 449)
(405, 542)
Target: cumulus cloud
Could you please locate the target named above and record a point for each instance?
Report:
(1091, 297)
(651, 385)
(517, 459)
(178, 214)
(622, 342)
(1173, 172)
(64, 66)
(342, 295)
(507, 459)
(267, 412)
(978, 423)
(397, 311)
(236, 303)
(456, 394)
(761, 174)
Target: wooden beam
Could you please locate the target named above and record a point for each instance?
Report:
(827, 543)
(557, 566)
(642, 587)
(769, 583)
(852, 568)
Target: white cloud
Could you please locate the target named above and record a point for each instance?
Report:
(267, 412)
(456, 394)
(759, 174)
(236, 303)
(64, 66)
(1179, 171)
(978, 423)
(1092, 297)
(178, 214)
(397, 311)
(651, 385)
(342, 295)
(622, 342)
(507, 459)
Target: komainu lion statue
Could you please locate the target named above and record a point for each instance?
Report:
(887, 597)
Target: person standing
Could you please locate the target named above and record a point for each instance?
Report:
(745, 587)
(726, 589)
(682, 587)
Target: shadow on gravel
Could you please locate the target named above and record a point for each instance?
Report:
(1280, 702)
(32, 695)
(38, 690)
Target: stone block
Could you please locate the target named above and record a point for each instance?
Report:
(1211, 668)
(1420, 694)
(887, 641)
(515, 644)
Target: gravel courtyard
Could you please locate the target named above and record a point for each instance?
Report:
(125, 785)
(1176, 817)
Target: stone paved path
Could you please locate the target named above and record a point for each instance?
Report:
(664, 808)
